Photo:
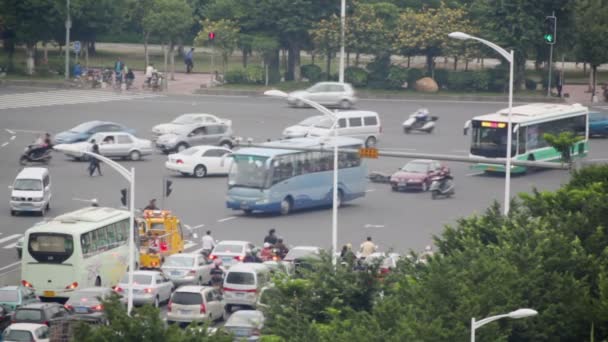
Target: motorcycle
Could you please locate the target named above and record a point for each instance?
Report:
(106, 76)
(94, 78)
(442, 186)
(156, 83)
(31, 156)
(379, 177)
(420, 121)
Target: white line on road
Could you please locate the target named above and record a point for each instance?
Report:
(227, 219)
(9, 131)
(4, 144)
(374, 226)
(12, 245)
(8, 238)
(598, 160)
(370, 190)
(11, 265)
(24, 131)
(189, 245)
(474, 174)
(13, 137)
(199, 226)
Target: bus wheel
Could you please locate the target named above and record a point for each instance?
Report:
(98, 282)
(286, 205)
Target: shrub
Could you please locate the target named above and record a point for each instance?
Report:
(413, 75)
(460, 80)
(498, 78)
(397, 76)
(480, 80)
(356, 76)
(255, 74)
(441, 77)
(311, 71)
(379, 68)
(530, 84)
(236, 76)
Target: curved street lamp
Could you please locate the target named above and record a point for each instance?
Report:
(521, 313)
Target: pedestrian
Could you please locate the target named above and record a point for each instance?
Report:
(271, 238)
(77, 70)
(188, 60)
(208, 243)
(151, 205)
(149, 72)
(367, 248)
(558, 83)
(94, 162)
(118, 69)
(347, 254)
(283, 250)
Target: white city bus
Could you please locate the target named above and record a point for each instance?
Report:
(84, 248)
(530, 122)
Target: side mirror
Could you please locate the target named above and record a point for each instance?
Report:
(466, 127)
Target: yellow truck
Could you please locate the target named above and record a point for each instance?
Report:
(160, 234)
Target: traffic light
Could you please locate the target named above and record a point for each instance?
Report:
(550, 29)
(123, 197)
(368, 153)
(168, 189)
(211, 35)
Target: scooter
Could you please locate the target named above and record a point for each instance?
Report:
(379, 177)
(420, 121)
(29, 157)
(442, 186)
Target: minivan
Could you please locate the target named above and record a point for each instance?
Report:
(243, 283)
(31, 191)
(361, 124)
(195, 303)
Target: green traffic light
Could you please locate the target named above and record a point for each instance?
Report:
(549, 38)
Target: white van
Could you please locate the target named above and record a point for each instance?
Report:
(243, 283)
(31, 191)
(361, 124)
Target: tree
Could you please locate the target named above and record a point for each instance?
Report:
(563, 143)
(591, 28)
(168, 20)
(326, 38)
(265, 46)
(136, 11)
(226, 37)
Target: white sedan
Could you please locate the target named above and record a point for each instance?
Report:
(200, 161)
(186, 120)
(26, 332)
(111, 144)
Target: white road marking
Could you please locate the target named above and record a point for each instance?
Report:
(189, 245)
(227, 219)
(370, 190)
(13, 137)
(12, 245)
(373, 226)
(9, 131)
(64, 97)
(474, 174)
(598, 160)
(10, 265)
(26, 131)
(199, 226)
(11, 237)
(4, 144)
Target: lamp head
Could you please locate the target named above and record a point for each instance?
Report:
(275, 93)
(521, 313)
(459, 35)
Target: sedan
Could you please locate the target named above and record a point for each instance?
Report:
(188, 119)
(598, 124)
(246, 325)
(302, 128)
(200, 161)
(149, 287)
(88, 302)
(18, 332)
(13, 297)
(417, 174)
(85, 130)
(187, 268)
(195, 135)
(231, 252)
(111, 144)
(326, 93)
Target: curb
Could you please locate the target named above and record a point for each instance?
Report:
(35, 83)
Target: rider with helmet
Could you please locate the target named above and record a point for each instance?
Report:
(217, 273)
(266, 252)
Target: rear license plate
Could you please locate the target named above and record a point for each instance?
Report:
(49, 293)
(227, 260)
(184, 312)
(81, 309)
(240, 294)
(175, 273)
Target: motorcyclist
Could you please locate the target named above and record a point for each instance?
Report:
(422, 115)
(217, 273)
(251, 257)
(44, 143)
(271, 238)
(282, 250)
(266, 252)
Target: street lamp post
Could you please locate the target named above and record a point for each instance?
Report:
(521, 313)
(342, 39)
(328, 113)
(130, 177)
(68, 25)
(509, 57)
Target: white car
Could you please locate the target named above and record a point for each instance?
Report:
(200, 161)
(231, 252)
(246, 325)
(188, 119)
(111, 144)
(302, 128)
(326, 93)
(149, 287)
(196, 303)
(187, 268)
(18, 332)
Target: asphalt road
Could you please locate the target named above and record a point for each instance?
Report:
(399, 221)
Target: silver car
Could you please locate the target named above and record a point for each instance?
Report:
(88, 302)
(187, 268)
(245, 325)
(188, 119)
(149, 287)
(333, 94)
(195, 135)
(304, 127)
(112, 145)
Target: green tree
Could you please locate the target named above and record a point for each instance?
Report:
(591, 28)
(136, 11)
(326, 38)
(563, 143)
(226, 37)
(265, 46)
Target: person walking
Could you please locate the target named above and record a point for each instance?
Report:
(189, 60)
(94, 162)
(367, 248)
(271, 238)
(208, 243)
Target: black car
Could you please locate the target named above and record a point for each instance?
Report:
(5, 318)
(41, 313)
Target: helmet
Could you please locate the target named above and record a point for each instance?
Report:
(267, 245)
(217, 262)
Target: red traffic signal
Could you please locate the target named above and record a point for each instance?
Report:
(211, 35)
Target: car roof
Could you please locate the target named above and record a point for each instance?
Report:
(233, 242)
(177, 255)
(25, 326)
(244, 316)
(197, 114)
(32, 172)
(193, 288)
(248, 266)
(355, 113)
(145, 272)
(307, 142)
(425, 161)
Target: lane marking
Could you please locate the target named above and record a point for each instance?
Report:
(599, 160)
(373, 226)
(4, 144)
(474, 174)
(10, 265)
(13, 137)
(189, 245)
(199, 226)
(12, 245)
(227, 219)
(8, 238)
(370, 190)
(9, 131)
(25, 131)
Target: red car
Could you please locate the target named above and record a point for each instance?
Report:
(417, 175)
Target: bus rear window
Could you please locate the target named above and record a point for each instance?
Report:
(50, 247)
(240, 278)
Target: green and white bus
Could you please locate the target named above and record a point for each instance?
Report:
(529, 122)
(84, 248)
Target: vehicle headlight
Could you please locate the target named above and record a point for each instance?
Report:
(37, 199)
(15, 198)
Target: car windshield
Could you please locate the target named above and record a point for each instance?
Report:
(311, 120)
(185, 119)
(85, 296)
(17, 335)
(9, 296)
(221, 248)
(34, 315)
(325, 123)
(597, 116)
(240, 278)
(28, 185)
(179, 261)
(415, 167)
(190, 151)
(187, 298)
(248, 172)
(142, 279)
(84, 127)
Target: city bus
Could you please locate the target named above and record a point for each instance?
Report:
(529, 122)
(281, 180)
(84, 248)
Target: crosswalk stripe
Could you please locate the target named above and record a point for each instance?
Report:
(12, 245)
(64, 97)
(189, 245)
(11, 237)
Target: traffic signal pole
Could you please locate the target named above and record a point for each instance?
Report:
(551, 51)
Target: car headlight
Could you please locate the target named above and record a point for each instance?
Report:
(37, 199)
(15, 198)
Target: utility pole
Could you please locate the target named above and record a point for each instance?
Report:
(68, 25)
(550, 35)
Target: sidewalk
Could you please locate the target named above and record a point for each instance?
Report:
(184, 84)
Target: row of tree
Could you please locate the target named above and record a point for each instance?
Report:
(380, 28)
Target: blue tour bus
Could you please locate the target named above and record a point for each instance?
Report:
(282, 180)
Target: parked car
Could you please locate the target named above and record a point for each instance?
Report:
(196, 303)
(187, 269)
(195, 135)
(360, 124)
(112, 145)
(88, 302)
(302, 128)
(13, 297)
(301, 257)
(200, 161)
(149, 287)
(231, 252)
(265, 296)
(30, 332)
(19, 247)
(598, 124)
(188, 119)
(40, 313)
(85, 130)
(245, 325)
(326, 93)
(417, 174)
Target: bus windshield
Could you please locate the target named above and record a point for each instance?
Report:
(248, 172)
(491, 141)
(50, 247)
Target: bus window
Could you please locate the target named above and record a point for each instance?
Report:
(50, 247)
